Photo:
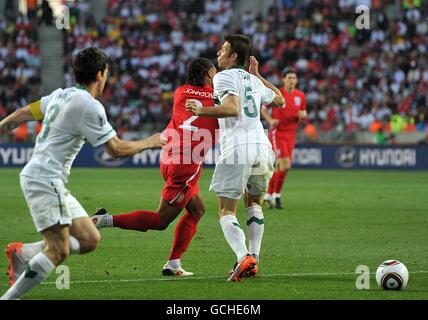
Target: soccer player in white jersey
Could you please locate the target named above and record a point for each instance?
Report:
(246, 157)
(70, 117)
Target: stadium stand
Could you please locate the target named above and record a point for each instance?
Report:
(19, 67)
(355, 80)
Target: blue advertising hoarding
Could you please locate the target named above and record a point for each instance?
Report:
(316, 156)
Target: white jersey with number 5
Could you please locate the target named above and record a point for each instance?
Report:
(71, 116)
(252, 93)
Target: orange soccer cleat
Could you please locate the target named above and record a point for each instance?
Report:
(16, 262)
(246, 268)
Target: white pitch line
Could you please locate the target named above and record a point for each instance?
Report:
(215, 277)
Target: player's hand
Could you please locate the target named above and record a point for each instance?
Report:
(157, 141)
(274, 123)
(254, 66)
(192, 107)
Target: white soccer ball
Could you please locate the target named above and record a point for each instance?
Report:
(392, 275)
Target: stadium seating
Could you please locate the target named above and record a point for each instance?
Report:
(352, 78)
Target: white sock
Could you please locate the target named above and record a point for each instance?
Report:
(37, 270)
(74, 245)
(256, 227)
(234, 235)
(107, 221)
(174, 264)
(276, 195)
(29, 250)
(268, 197)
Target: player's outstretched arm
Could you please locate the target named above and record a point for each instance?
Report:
(120, 148)
(28, 113)
(229, 108)
(254, 69)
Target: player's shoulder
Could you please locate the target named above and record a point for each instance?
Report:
(83, 99)
(225, 74)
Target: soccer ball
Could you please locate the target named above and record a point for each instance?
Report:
(392, 275)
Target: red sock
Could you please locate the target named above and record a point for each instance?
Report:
(280, 181)
(272, 184)
(183, 234)
(138, 220)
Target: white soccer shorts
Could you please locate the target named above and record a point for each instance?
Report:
(246, 167)
(50, 203)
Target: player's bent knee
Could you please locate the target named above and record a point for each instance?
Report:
(285, 168)
(164, 223)
(92, 242)
(198, 213)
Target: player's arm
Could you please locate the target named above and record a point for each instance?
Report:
(28, 113)
(302, 114)
(120, 148)
(265, 114)
(278, 101)
(229, 108)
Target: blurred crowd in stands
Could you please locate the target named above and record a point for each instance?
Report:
(372, 80)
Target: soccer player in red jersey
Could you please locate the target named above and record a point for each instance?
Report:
(282, 135)
(189, 139)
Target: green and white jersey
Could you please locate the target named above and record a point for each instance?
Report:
(71, 116)
(252, 93)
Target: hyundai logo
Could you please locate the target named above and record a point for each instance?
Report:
(104, 159)
(346, 157)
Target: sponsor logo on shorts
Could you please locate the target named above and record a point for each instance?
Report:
(180, 198)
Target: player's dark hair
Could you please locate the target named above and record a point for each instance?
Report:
(287, 71)
(241, 45)
(197, 71)
(87, 64)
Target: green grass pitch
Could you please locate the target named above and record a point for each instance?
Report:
(333, 221)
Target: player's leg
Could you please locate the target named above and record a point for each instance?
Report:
(42, 264)
(284, 167)
(228, 182)
(268, 199)
(255, 224)
(173, 199)
(256, 186)
(183, 235)
(42, 199)
(140, 220)
(235, 237)
(86, 234)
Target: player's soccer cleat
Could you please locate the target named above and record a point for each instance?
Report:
(246, 268)
(278, 204)
(179, 272)
(99, 215)
(268, 204)
(252, 272)
(16, 261)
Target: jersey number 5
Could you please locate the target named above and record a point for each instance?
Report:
(254, 112)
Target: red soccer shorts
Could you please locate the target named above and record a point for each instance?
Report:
(283, 143)
(181, 183)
